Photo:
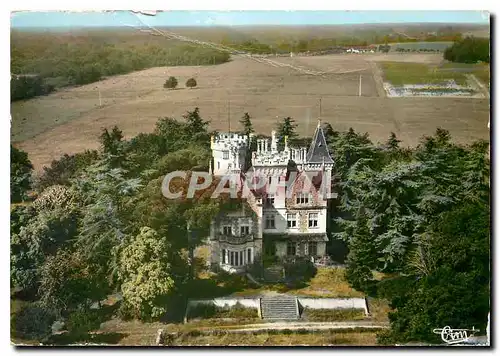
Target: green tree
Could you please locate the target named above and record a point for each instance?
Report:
(41, 237)
(286, 128)
(111, 141)
(455, 289)
(196, 126)
(393, 142)
(246, 122)
(469, 50)
(20, 174)
(170, 83)
(191, 83)
(69, 281)
(145, 274)
(62, 170)
(362, 254)
(33, 322)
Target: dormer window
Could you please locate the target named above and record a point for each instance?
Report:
(303, 198)
(270, 200)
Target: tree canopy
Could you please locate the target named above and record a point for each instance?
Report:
(469, 50)
(20, 174)
(101, 224)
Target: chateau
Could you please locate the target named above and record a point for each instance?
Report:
(286, 214)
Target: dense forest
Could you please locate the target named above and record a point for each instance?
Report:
(88, 225)
(469, 50)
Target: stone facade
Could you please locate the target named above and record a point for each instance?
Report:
(277, 222)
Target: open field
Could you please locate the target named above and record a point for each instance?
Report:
(398, 73)
(70, 120)
(480, 70)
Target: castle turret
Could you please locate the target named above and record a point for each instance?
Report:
(228, 152)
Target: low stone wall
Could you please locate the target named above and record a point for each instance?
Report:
(334, 303)
(304, 302)
(253, 302)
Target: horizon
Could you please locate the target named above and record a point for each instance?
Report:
(125, 18)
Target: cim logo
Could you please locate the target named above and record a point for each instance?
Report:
(454, 336)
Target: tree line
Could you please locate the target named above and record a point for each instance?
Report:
(469, 50)
(56, 61)
(97, 223)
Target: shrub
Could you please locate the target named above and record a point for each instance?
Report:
(299, 269)
(83, 321)
(126, 312)
(208, 311)
(33, 322)
(170, 83)
(191, 83)
(20, 175)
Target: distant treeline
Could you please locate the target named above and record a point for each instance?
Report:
(56, 60)
(469, 50)
(322, 44)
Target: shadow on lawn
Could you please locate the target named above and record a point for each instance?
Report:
(93, 338)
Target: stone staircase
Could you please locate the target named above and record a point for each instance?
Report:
(279, 308)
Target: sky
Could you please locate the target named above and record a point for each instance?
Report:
(233, 18)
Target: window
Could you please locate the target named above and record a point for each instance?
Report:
(270, 179)
(236, 254)
(313, 248)
(291, 248)
(270, 200)
(291, 220)
(226, 230)
(313, 220)
(225, 154)
(303, 198)
(223, 256)
(242, 255)
(249, 256)
(244, 230)
(231, 261)
(270, 222)
(218, 165)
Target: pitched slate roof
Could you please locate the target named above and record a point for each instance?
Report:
(318, 149)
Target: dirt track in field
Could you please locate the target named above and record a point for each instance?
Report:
(70, 120)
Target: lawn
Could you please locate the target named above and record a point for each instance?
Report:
(327, 283)
(483, 74)
(400, 73)
(480, 70)
(285, 338)
(333, 314)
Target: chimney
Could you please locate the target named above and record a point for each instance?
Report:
(274, 141)
(304, 154)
